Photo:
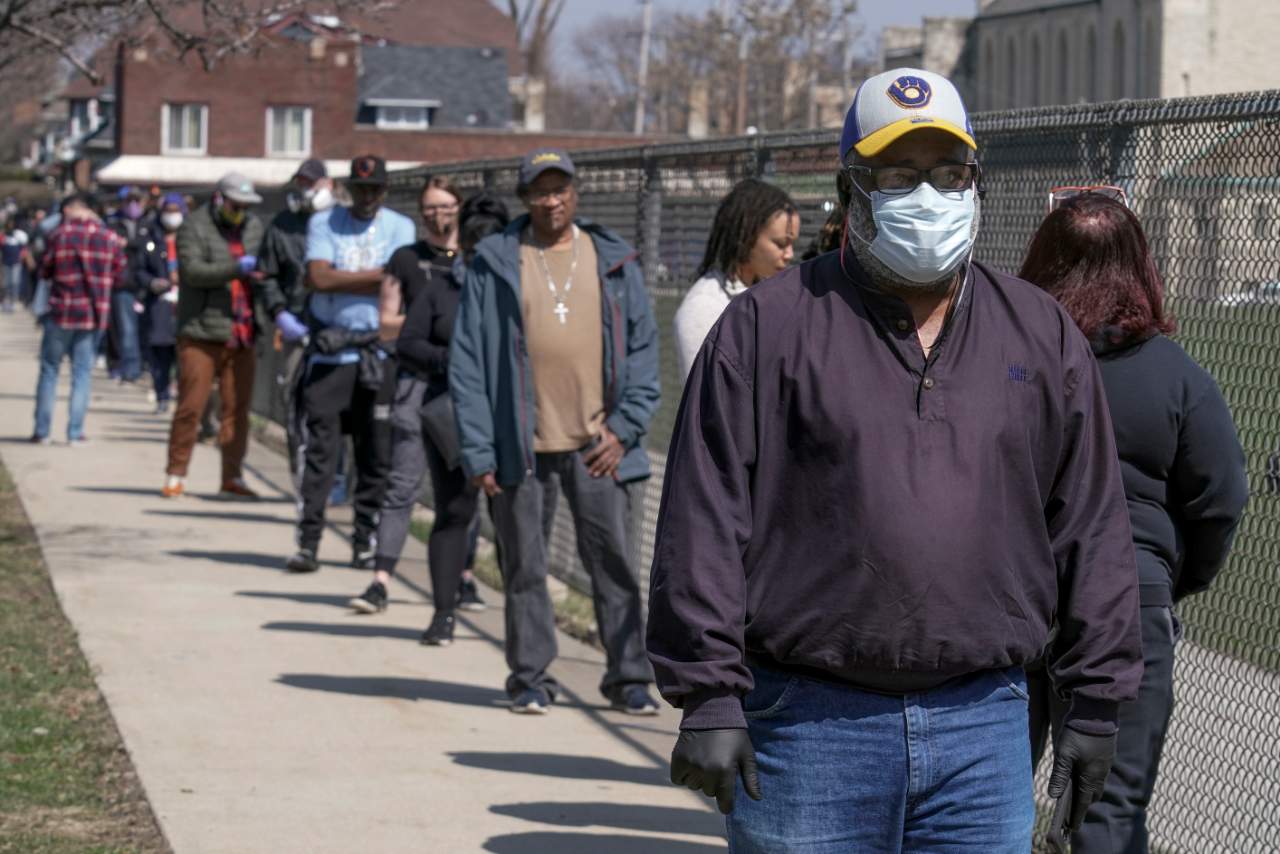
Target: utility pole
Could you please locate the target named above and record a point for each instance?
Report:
(642, 75)
(743, 48)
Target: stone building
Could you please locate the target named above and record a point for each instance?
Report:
(1028, 53)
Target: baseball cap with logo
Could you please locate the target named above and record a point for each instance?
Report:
(896, 102)
(542, 160)
(238, 189)
(368, 169)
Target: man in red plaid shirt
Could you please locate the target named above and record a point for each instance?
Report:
(83, 262)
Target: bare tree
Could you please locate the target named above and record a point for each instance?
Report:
(207, 29)
(535, 22)
(781, 51)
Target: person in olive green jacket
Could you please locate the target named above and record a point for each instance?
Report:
(217, 270)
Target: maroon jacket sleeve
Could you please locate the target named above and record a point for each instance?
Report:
(697, 595)
(1096, 660)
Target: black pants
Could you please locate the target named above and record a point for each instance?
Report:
(334, 403)
(1117, 824)
(455, 502)
(161, 362)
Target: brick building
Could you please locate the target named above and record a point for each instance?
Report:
(429, 82)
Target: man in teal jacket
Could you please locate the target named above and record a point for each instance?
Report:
(553, 369)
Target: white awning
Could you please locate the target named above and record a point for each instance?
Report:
(188, 171)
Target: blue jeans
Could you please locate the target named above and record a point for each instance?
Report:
(81, 346)
(12, 285)
(855, 772)
(124, 335)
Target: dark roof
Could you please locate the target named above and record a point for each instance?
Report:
(467, 81)
(1010, 7)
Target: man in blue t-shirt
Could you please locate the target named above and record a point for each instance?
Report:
(344, 390)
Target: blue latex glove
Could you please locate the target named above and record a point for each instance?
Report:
(291, 328)
(248, 263)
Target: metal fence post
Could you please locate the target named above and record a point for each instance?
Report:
(649, 227)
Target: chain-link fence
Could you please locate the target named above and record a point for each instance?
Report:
(1204, 177)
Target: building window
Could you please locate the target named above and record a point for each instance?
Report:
(184, 128)
(1011, 77)
(1063, 94)
(1036, 58)
(1119, 58)
(1151, 50)
(1091, 66)
(989, 90)
(405, 118)
(288, 131)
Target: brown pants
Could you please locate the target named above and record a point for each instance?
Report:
(199, 363)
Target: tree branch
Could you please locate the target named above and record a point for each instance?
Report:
(59, 46)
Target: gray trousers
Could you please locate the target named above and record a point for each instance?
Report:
(408, 466)
(600, 515)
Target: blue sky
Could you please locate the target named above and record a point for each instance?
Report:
(874, 14)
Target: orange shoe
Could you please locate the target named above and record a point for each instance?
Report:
(237, 490)
(173, 487)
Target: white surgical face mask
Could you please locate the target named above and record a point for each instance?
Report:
(922, 235)
(171, 220)
(318, 198)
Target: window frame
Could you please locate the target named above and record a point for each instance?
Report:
(306, 131)
(166, 144)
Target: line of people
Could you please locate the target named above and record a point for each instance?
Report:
(893, 552)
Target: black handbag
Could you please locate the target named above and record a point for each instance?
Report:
(441, 429)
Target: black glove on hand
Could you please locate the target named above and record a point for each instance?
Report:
(1081, 764)
(709, 761)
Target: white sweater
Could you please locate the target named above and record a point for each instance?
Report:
(698, 312)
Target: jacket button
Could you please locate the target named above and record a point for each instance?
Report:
(903, 325)
(928, 383)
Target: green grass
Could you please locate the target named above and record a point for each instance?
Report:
(66, 782)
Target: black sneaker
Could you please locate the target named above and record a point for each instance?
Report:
(531, 701)
(372, 600)
(469, 596)
(440, 632)
(303, 561)
(363, 554)
(635, 700)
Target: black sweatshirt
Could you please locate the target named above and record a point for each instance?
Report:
(1183, 468)
(423, 345)
(834, 505)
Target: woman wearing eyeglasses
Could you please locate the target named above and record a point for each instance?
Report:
(1182, 466)
(422, 272)
(752, 237)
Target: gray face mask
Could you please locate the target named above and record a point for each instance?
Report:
(862, 233)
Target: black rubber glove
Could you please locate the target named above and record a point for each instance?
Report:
(1081, 764)
(709, 761)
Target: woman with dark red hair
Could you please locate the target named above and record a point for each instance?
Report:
(1183, 468)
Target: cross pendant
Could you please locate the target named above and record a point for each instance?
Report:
(561, 310)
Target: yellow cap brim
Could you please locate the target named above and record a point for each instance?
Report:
(889, 134)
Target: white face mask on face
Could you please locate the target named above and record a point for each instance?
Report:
(922, 235)
(318, 198)
(171, 220)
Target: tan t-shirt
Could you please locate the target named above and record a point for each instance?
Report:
(566, 348)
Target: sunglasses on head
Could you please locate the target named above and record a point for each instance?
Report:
(1060, 195)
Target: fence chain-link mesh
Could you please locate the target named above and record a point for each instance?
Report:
(1203, 175)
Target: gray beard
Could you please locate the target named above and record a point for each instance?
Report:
(861, 223)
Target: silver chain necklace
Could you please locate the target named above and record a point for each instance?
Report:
(561, 310)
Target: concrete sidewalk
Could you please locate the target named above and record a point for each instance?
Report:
(263, 717)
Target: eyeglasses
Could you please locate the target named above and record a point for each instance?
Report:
(538, 197)
(1060, 195)
(897, 180)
